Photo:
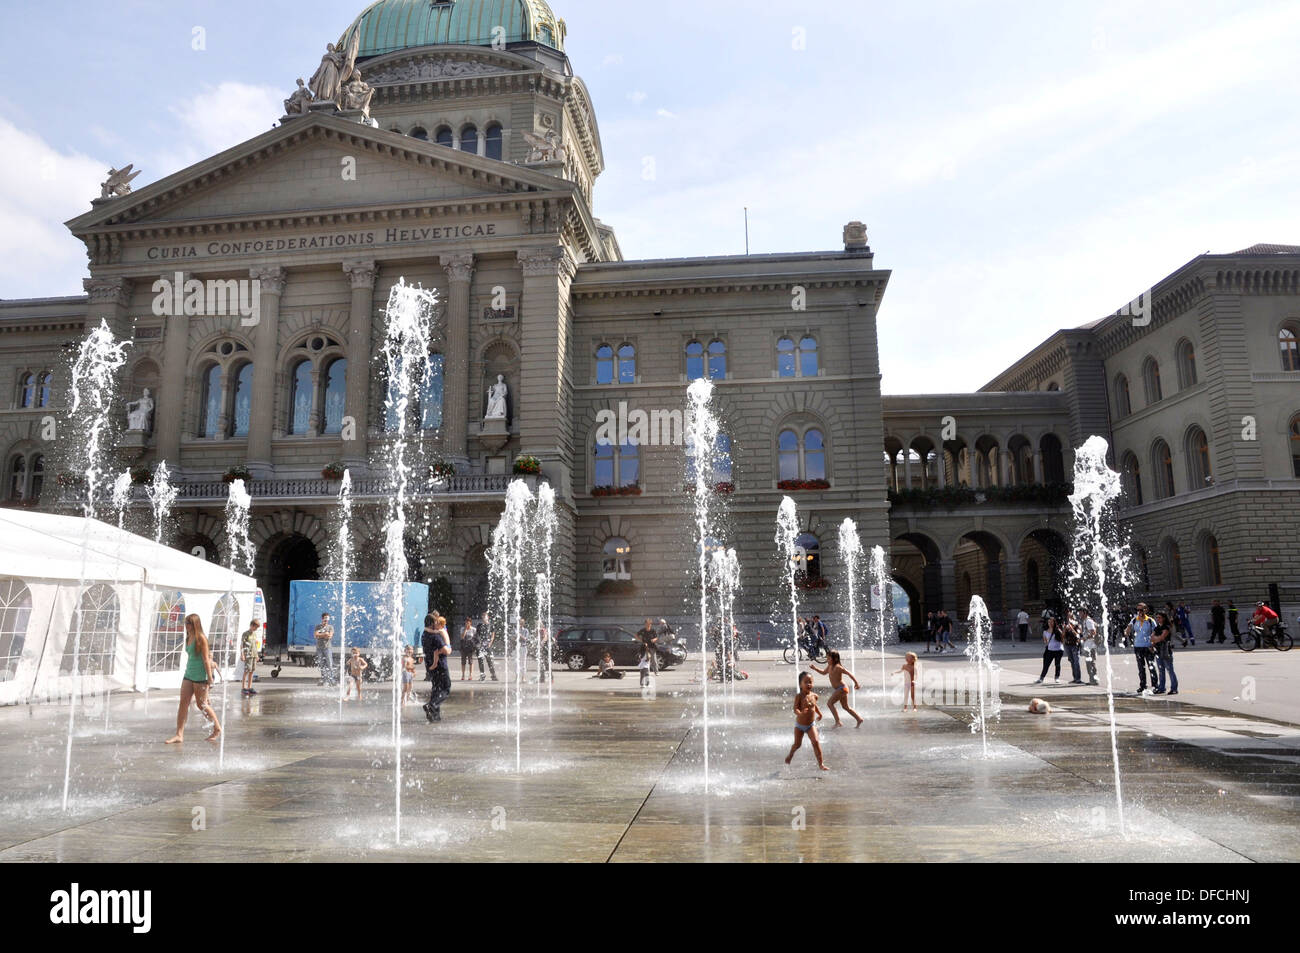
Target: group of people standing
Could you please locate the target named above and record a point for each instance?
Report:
(1075, 638)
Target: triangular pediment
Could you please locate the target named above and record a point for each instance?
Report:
(317, 164)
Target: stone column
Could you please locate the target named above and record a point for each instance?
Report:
(948, 579)
(1013, 584)
(455, 364)
(356, 401)
(542, 406)
(169, 410)
(1037, 475)
(271, 280)
(109, 300)
(907, 468)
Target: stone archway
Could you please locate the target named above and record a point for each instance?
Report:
(917, 559)
(284, 559)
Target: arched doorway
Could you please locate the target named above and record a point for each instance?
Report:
(1043, 553)
(288, 558)
(475, 581)
(916, 567)
(980, 553)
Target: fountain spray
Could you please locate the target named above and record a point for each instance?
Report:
(702, 431)
(93, 385)
(1098, 552)
(344, 551)
(787, 535)
(880, 580)
(851, 551)
(978, 650)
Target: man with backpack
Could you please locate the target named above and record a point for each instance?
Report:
(819, 633)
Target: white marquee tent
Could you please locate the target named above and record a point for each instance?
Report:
(82, 596)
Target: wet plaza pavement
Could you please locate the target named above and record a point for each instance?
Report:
(607, 774)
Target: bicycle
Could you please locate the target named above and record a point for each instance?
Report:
(801, 653)
(1277, 639)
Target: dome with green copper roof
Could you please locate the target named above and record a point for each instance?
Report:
(391, 25)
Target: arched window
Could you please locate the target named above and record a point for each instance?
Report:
(1053, 387)
(224, 629)
(46, 391)
(721, 460)
(431, 394)
(796, 362)
(807, 558)
(627, 364)
(1173, 565)
(1123, 400)
(167, 637)
(694, 361)
(1053, 458)
(241, 401)
(801, 456)
(808, 357)
(336, 391)
(1151, 380)
(210, 416)
(1295, 445)
(94, 632)
(787, 364)
(27, 391)
(1211, 572)
(616, 466)
(300, 398)
(1162, 468)
(617, 559)
(494, 141)
(37, 478)
(442, 137)
(717, 360)
(1133, 478)
(419, 132)
(1033, 584)
(15, 610)
(1186, 364)
(1288, 342)
(604, 364)
(1199, 472)
(17, 477)
(469, 139)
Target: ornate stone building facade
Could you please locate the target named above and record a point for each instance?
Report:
(451, 145)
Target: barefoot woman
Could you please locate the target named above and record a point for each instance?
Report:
(198, 676)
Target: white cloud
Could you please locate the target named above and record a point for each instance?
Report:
(637, 97)
(215, 119)
(665, 114)
(38, 256)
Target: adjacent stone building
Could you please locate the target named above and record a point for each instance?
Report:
(451, 145)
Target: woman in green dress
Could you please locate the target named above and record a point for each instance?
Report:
(197, 679)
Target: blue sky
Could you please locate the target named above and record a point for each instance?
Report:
(1021, 166)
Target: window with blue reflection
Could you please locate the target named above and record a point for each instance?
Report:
(242, 404)
(336, 392)
(604, 364)
(494, 141)
(785, 366)
(211, 401)
(300, 400)
(431, 395)
(808, 357)
(603, 471)
(814, 456)
(717, 360)
(627, 364)
(694, 361)
(629, 465)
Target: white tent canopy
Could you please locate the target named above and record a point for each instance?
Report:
(133, 596)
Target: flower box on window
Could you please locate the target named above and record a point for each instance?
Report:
(442, 470)
(332, 471)
(527, 466)
(71, 479)
(237, 473)
(630, 490)
(141, 475)
(804, 485)
(818, 582)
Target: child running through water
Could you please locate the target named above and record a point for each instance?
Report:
(909, 679)
(356, 665)
(839, 692)
(805, 707)
(408, 674)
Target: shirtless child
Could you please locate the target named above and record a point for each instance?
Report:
(839, 692)
(909, 679)
(356, 665)
(805, 708)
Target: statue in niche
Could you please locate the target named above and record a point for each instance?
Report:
(138, 412)
(496, 406)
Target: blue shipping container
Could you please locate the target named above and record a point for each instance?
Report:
(368, 608)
